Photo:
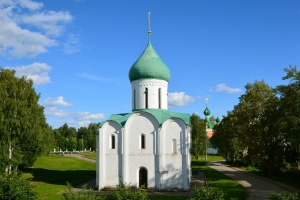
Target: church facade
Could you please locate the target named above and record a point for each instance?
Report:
(149, 146)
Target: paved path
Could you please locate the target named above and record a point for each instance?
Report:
(258, 188)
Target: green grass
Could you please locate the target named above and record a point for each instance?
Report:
(51, 174)
(290, 178)
(168, 197)
(218, 181)
(91, 155)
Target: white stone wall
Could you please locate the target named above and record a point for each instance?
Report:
(167, 166)
(153, 85)
(134, 156)
(174, 163)
(109, 158)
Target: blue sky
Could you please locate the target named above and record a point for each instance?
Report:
(79, 52)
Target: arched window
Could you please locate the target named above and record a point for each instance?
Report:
(143, 141)
(146, 98)
(113, 142)
(174, 148)
(159, 98)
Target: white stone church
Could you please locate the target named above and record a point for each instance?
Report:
(149, 146)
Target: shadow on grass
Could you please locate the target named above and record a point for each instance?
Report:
(57, 177)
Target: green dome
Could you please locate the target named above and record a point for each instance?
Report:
(218, 120)
(149, 65)
(206, 112)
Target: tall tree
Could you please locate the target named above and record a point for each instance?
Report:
(257, 113)
(24, 133)
(226, 138)
(290, 114)
(199, 137)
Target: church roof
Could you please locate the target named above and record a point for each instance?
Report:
(149, 65)
(209, 123)
(160, 115)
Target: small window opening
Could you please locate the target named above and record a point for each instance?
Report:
(159, 98)
(146, 98)
(113, 142)
(143, 142)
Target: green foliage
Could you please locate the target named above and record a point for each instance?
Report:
(199, 137)
(14, 187)
(206, 194)
(263, 128)
(24, 133)
(285, 196)
(84, 194)
(68, 138)
(124, 192)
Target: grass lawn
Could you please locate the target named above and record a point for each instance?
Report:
(51, 174)
(91, 155)
(289, 178)
(218, 181)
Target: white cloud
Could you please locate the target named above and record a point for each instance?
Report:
(26, 30)
(224, 88)
(179, 99)
(54, 112)
(77, 119)
(31, 4)
(58, 101)
(38, 72)
(72, 45)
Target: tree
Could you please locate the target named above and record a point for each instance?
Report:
(24, 133)
(199, 137)
(226, 138)
(289, 114)
(257, 113)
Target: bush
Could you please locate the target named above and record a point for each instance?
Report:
(284, 196)
(82, 195)
(206, 194)
(14, 187)
(124, 192)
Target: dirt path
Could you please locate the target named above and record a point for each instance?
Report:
(258, 188)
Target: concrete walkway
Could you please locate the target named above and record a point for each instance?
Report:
(258, 188)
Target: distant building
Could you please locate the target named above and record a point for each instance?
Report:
(149, 146)
(209, 128)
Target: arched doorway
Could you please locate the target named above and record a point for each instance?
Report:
(143, 177)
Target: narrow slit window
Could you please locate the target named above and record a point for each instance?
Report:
(113, 142)
(143, 141)
(159, 98)
(146, 98)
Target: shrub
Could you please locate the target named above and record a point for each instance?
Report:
(82, 195)
(284, 196)
(206, 194)
(14, 187)
(124, 192)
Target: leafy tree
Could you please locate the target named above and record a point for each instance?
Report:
(199, 137)
(289, 114)
(226, 138)
(24, 133)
